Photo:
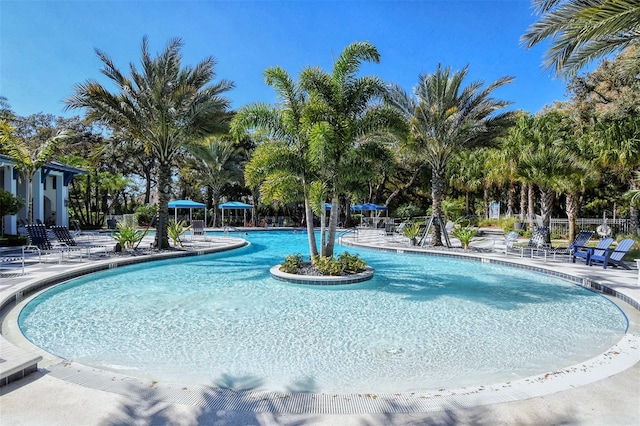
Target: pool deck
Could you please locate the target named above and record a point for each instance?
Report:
(605, 390)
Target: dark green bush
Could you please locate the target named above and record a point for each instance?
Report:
(12, 241)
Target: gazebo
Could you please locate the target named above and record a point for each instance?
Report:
(187, 204)
(370, 207)
(235, 205)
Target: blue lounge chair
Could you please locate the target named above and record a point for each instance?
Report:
(586, 252)
(612, 256)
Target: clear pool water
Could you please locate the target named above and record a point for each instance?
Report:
(422, 323)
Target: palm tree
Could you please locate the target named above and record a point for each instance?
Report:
(345, 112)
(219, 162)
(617, 142)
(445, 118)
(281, 165)
(28, 160)
(165, 107)
(583, 30)
(467, 175)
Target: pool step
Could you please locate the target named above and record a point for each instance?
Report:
(15, 363)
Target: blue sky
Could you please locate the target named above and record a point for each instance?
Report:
(46, 47)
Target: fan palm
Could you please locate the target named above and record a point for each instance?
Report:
(446, 118)
(582, 30)
(165, 107)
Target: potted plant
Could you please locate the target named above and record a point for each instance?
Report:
(412, 231)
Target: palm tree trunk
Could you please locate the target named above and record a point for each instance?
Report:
(333, 225)
(485, 199)
(633, 212)
(164, 192)
(437, 193)
(511, 198)
(523, 201)
(531, 205)
(546, 204)
(572, 206)
(311, 235)
(467, 197)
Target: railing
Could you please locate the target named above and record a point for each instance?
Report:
(347, 232)
(618, 226)
(228, 229)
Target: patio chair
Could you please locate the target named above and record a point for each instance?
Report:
(197, 229)
(38, 240)
(63, 235)
(612, 257)
(586, 252)
(507, 243)
(581, 240)
(540, 241)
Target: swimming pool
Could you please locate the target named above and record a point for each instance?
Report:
(421, 323)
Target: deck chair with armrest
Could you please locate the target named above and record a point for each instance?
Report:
(585, 252)
(579, 241)
(197, 230)
(38, 240)
(612, 256)
(507, 243)
(540, 241)
(63, 235)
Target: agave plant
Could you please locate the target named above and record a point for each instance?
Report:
(412, 231)
(176, 230)
(127, 235)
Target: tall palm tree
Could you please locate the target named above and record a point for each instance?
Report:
(583, 30)
(446, 118)
(165, 107)
(219, 162)
(28, 159)
(345, 111)
(281, 166)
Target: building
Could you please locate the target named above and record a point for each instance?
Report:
(50, 192)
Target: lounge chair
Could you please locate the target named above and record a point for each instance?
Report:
(540, 241)
(38, 240)
(197, 229)
(612, 256)
(507, 243)
(586, 252)
(580, 241)
(63, 235)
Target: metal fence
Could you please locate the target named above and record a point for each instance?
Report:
(618, 226)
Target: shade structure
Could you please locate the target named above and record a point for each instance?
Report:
(368, 207)
(187, 204)
(235, 205)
